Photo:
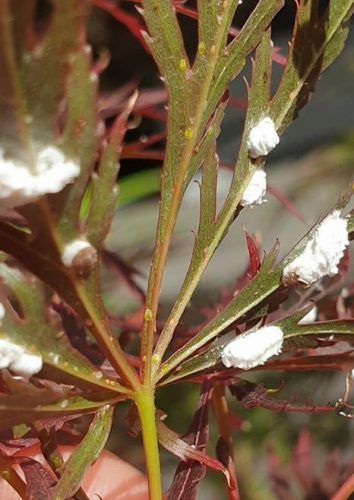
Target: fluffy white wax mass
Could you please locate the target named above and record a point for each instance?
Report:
(322, 253)
(26, 365)
(256, 189)
(262, 138)
(9, 352)
(16, 359)
(253, 348)
(19, 185)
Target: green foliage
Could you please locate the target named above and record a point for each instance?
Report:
(84, 455)
(50, 97)
(39, 329)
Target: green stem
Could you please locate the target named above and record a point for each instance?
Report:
(146, 407)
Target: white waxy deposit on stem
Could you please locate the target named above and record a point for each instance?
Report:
(20, 185)
(262, 138)
(256, 189)
(253, 348)
(72, 249)
(322, 253)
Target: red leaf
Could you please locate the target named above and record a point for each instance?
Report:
(302, 461)
(328, 362)
(57, 423)
(345, 490)
(304, 470)
(38, 479)
(189, 474)
(280, 480)
(9, 447)
(253, 251)
(173, 443)
(251, 395)
(132, 23)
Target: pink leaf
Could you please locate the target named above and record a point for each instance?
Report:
(190, 473)
(173, 443)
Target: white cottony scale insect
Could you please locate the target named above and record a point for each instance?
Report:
(322, 253)
(9, 352)
(253, 348)
(20, 185)
(26, 365)
(263, 138)
(72, 249)
(256, 189)
(17, 360)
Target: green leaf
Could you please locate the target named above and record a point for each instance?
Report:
(233, 58)
(316, 43)
(207, 142)
(39, 253)
(188, 120)
(166, 42)
(40, 331)
(351, 224)
(84, 455)
(13, 411)
(208, 240)
(43, 70)
(196, 364)
(79, 139)
(208, 192)
(263, 284)
(210, 15)
(338, 329)
(22, 15)
(28, 403)
(33, 94)
(13, 128)
(105, 191)
(328, 362)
